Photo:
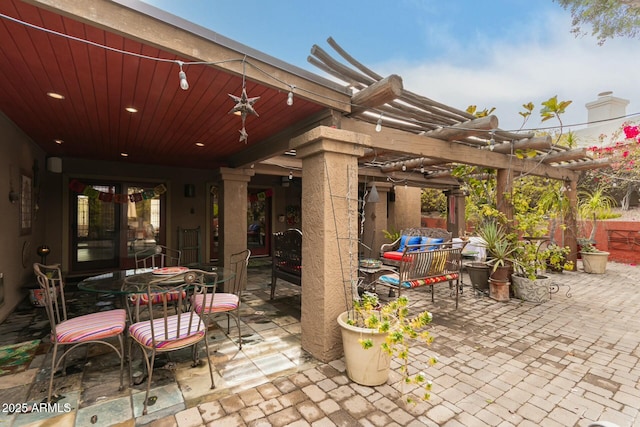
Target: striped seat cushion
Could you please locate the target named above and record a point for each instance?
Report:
(171, 337)
(221, 302)
(393, 279)
(157, 298)
(89, 327)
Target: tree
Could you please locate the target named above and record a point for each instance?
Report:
(607, 18)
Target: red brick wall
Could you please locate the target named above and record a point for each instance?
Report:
(624, 246)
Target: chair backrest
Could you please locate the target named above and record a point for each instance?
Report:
(422, 261)
(158, 256)
(52, 286)
(239, 262)
(186, 321)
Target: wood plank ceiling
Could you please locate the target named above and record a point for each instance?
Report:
(98, 84)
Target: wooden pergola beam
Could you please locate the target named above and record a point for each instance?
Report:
(465, 129)
(377, 94)
(565, 156)
(423, 146)
(538, 143)
(588, 165)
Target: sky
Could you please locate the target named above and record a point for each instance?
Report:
(496, 53)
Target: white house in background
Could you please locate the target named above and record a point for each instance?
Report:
(605, 116)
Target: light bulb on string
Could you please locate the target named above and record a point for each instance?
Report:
(290, 174)
(379, 124)
(421, 169)
(290, 97)
(492, 141)
(404, 167)
(184, 84)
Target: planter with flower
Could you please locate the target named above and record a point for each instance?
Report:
(372, 334)
(555, 257)
(529, 281)
(594, 261)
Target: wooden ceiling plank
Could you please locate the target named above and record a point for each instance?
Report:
(197, 43)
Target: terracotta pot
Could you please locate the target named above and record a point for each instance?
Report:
(499, 290)
(502, 273)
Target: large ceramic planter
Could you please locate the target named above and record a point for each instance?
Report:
(499, 290)
(536, 290)
(370, 366)
(595, 262)
(479, 275)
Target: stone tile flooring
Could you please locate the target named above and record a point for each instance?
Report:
(567, 362)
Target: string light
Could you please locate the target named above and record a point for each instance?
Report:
(379, 124)
(492, 141)
(404, 167)
(290, 96)
(290, 175)
(184, 84)
(421, 168)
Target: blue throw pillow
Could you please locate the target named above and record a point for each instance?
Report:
(414, 240)
(431, 241)
(403, 242)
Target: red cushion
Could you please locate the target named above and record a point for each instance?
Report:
(394, 255)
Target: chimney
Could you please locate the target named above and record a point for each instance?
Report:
(606, 107)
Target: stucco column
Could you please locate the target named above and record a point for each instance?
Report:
(329, 233)
(375, 221)
(232, 214)
(407, 207)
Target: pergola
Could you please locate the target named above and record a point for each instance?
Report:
(329, 133)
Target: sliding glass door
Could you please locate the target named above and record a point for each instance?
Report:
(110, 222)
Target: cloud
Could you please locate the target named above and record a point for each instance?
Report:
(542, 61)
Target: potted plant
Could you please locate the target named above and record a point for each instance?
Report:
(593, 260)
(529, 282)
(500, 250)
(555, 257)
(373, 333)
(592, 205)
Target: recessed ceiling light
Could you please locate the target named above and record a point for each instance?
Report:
(55, 95)
(124, 154)
(131, 109)
(200, 144)
(58, 141)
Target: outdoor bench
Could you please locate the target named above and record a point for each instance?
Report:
(425, 265)
(287, 258)
(391, 253)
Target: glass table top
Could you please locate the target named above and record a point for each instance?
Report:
(136, 280)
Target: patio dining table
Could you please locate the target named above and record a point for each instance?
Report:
(134, 281)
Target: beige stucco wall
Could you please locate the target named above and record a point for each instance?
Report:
(17, 155)
(406, 209)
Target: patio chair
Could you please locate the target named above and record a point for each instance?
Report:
(165, 331)
(158, 256)
(229, 303)
(89, 328)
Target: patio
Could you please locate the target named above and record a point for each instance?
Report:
(570, 361)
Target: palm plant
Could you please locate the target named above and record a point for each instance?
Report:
(593, 205)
